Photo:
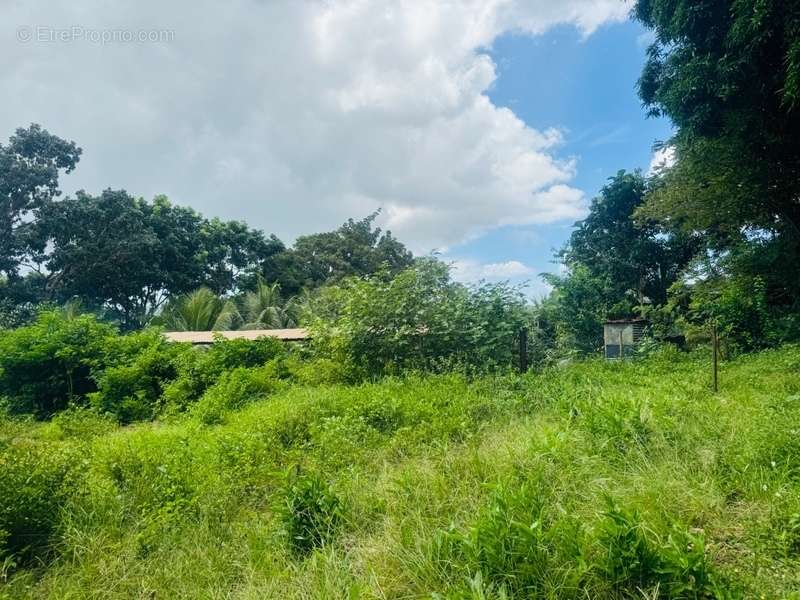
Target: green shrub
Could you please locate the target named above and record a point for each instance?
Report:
(309, 512)
(146, 364)
(33, 487)
(47, 365)
(517, 547)
(149, 483)
(200, 369)
(419, 319)
(81, 424)
(521, 545)
(236, 388)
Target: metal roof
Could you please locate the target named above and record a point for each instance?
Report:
(634, 321)
(207, 337)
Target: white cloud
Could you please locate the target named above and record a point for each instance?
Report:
(297, 115)
(513, 271)
(663, 158)
(471, 271)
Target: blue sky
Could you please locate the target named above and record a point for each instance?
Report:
(586, 88)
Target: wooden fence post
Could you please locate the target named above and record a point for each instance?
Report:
(715, 355)
(523, 349)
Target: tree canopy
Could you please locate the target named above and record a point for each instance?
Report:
(728, 75)
(126, 257)
(30, 165)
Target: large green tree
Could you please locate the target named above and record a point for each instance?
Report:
(236, 256)
(129, 255)
(119, 252)
(727, 73)
(616, 264)
(30, 165)
(637, 259)
(355, 248)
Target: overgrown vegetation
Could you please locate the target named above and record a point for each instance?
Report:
(364, 328)
(399, 454)
(619, 480)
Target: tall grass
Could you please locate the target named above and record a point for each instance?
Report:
(597, 480)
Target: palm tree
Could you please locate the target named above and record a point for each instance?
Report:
(200, 310)
(263, 308)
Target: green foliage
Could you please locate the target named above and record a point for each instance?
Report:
(636, 558)
(576, 310)
(236, 388)
(80, 423)
(309, 512)
(200, 310)
(30, 165)
(64, 360)
(617, 264)
(356, 248)
(200, 369)
(264, 308)
(144, 365)
(418, 319)
(33, 485)
(47, 365)
(725, 73)
(519, 548)
(482, 487)
(515, 548)
(637, 260)
(737, 156)
(157, 251)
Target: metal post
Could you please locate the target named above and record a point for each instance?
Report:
(621, 345)
(523, 349)
(715, 355)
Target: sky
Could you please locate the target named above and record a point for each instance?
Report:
(480, 128)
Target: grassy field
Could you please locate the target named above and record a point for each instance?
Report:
(595, 480)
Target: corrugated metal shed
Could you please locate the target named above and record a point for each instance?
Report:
(207, 337)
(621, 336)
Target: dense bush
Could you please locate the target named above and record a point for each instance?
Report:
(635, 558)
(33, 487)
(200, 369)
(46, 365)
(419, 319)
(62, 360)
(236, 388)
(141, 366)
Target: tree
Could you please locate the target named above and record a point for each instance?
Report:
(30, 165)
(616, 264)
(356, 248)
(728, 75)
(235, 256)
(50, 363)
(637, 259)
(121, 253)
(128, 256)
(200, 310)
(264, 308)
(416, 319)
(576, 310)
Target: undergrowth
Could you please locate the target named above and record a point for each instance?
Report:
(594, 480)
